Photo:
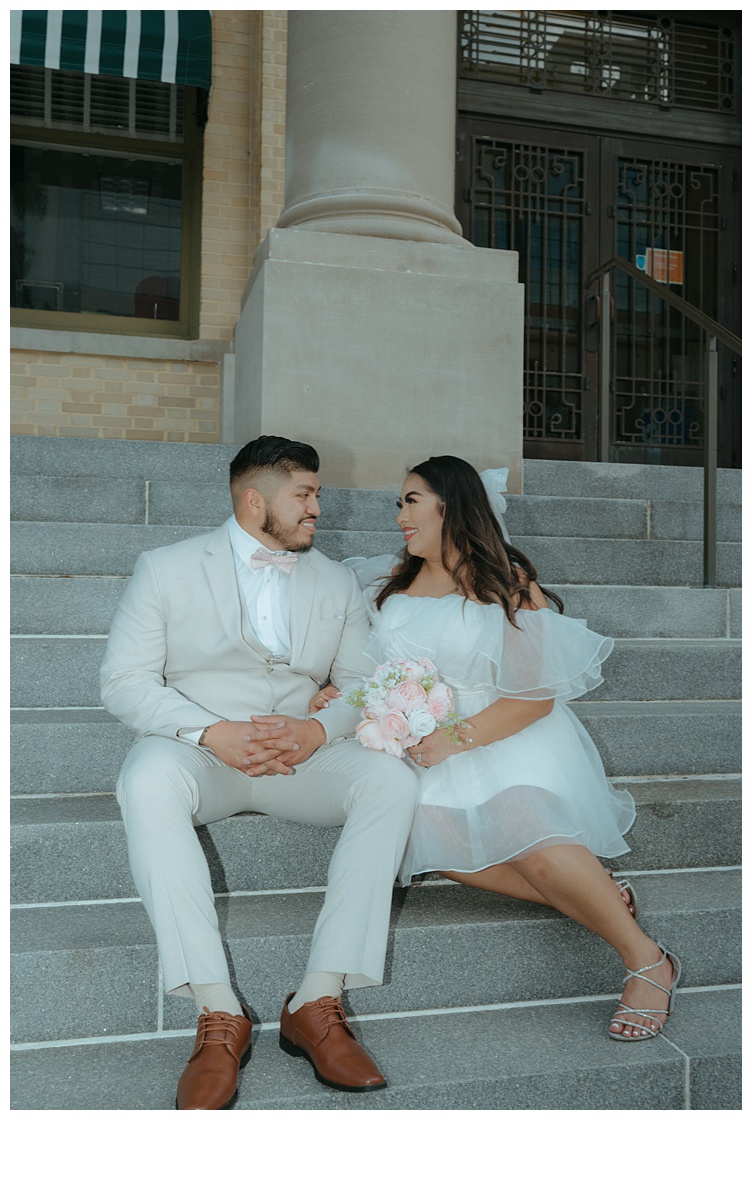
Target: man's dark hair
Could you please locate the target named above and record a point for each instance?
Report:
(276, 453)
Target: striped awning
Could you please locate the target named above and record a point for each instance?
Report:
(171, 46)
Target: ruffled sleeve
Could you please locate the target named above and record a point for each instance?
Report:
(550, 656)
(546, 656)
(372, 574)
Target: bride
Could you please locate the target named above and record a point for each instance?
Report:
(515, 799)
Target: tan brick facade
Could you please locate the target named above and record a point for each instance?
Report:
(271, 134)
(129, 394)
(78, 395)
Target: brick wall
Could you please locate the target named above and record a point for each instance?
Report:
(225, 251)
(78, 395)
(271, 143)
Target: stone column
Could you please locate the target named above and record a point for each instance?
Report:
(370, 327)
(371, 114)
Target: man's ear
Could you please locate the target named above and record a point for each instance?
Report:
(254, 503)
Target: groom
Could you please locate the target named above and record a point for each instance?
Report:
(215, 652)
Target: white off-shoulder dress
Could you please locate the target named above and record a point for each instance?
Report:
(544, 786)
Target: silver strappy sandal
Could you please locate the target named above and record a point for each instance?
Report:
(623, 885)
(623, 1012)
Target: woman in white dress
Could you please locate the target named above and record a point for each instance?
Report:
(516, 801)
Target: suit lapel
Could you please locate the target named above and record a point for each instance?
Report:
(219, 566)
(302, 595)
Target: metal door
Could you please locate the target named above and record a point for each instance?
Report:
(668, 210)
(567, 202)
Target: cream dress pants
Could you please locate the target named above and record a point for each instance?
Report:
(167, 787)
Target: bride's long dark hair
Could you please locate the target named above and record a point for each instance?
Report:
(488, 568)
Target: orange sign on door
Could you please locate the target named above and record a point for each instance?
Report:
(665, 266)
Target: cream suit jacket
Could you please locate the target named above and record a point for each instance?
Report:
(181, 653)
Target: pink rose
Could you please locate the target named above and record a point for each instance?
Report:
(407, 696)
(410, 669)
(394, 748)
(372, 712)
(394, 725)
(439, 702)
(371, 735)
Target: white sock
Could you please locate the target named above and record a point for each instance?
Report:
(217, 997)
(316, 985)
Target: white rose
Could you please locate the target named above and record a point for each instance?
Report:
(421, 723)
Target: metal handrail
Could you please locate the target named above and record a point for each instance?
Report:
(700, 318)
(715, 333)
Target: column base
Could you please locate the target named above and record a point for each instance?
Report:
(375, 213)
(381, 353)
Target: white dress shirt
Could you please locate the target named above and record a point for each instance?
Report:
(266, 594)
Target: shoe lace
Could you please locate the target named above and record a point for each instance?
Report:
(216, 1027)
(332, 1013)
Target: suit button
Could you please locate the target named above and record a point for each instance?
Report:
(268, 670)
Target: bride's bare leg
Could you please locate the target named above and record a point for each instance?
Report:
(572, 880)
(502, 879)
(505, 880)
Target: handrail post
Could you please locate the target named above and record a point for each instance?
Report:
(604, 375)
(710, 477)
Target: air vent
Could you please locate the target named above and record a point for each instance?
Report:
(134, 108)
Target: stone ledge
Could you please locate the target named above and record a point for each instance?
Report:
(63, 341)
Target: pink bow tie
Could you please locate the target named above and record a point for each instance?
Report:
(264, 558)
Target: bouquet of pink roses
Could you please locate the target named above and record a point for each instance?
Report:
(402, 702)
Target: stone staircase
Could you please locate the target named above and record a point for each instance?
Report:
(489, 1003)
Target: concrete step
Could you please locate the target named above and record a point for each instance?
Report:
(79, 548)
(600, 560)
(73, 848)
(672, 669)
(71, 751)
(546, 1056)
(112, 458)
(553, 477)
(665, 737)
(670, 520)
(180, 503)
(618, 610)
(86, 605)
(54, 672)
(91, 970)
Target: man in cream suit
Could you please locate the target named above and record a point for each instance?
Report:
(215, 652)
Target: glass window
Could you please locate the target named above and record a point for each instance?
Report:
(102, 223)
(95, 233)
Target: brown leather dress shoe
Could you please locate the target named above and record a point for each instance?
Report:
(320, 1032)
(223, 1044)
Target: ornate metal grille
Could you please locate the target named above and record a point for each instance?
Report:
(659, 61)
(531, 199)
(667, 221)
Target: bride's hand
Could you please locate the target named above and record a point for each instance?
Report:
(435, 748)
(322, 698)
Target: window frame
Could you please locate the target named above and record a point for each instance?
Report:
(190, 153)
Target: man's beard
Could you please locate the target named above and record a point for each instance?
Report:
(285, 535)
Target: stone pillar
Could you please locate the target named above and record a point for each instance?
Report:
(370, 327)
(371, 114)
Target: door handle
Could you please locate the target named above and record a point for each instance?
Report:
(592, 321)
